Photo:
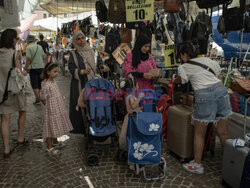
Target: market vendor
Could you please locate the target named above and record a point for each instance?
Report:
(140, 62)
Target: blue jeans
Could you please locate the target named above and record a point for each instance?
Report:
(212, 104)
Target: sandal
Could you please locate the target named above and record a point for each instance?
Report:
(58, 145)
(53, 151)
(7, 155)
(24, 142)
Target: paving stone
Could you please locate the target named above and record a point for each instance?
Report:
(32, 166)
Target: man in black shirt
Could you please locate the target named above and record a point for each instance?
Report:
(45, 47)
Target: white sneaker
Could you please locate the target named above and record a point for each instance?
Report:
(194, 167)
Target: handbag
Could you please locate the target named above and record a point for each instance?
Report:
(16, 82)
(172, 6)
(126, 34)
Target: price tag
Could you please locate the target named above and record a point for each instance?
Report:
(121, 52)
(139, 10)
(170, 56)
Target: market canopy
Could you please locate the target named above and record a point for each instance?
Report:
(51, 23)
(68, 6)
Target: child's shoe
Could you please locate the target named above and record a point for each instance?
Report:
(194, 167)
(58, 145)
(53, 151)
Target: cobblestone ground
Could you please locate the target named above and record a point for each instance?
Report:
(32, 166)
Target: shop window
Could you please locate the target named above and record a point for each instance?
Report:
(65, 15)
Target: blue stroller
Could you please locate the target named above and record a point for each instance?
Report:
(99, 96)
(144, 138)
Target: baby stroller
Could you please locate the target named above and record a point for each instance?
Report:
(99, 96)
(144, 139)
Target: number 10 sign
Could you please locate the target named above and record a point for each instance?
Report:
(139, 10)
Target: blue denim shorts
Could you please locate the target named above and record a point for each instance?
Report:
(212, 104)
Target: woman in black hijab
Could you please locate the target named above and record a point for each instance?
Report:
(139, 62)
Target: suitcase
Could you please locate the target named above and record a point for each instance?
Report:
(180, 132)
(245, 179)
(233, 163)
(234, 158)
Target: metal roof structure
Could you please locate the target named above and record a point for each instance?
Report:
(68, 6)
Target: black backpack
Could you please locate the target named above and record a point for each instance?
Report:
(233, 18)
(198, 31)
(247, 22)
(112, 40)
(101, 10)
(180, 35)
(206, 19)
(117, 11)
(212, 3)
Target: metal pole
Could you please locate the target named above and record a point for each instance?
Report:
(241, 41)
(77, 11)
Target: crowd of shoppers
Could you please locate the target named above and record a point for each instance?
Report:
(211, 99)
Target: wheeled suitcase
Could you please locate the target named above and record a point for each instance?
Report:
(245, 179)
(234, 158)
(233, 163)
(180, 132)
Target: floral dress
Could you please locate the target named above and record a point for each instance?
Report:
(56, 120)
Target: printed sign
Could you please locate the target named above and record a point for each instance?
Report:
(139, 10)
(170, 56)
(121, 52)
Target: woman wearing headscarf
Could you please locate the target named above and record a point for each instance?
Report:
(139, 62)
(82, 67)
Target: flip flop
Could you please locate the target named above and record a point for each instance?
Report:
(24, 142)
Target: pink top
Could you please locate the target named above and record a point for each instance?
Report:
(143, 67)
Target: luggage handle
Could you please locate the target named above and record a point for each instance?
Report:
(245, 114)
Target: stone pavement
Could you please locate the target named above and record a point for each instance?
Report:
(31, 166)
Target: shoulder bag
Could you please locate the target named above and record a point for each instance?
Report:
(202, 65)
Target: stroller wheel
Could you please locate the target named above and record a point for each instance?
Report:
(92, 159)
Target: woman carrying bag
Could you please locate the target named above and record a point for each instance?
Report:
(10, 103)
(211, 99)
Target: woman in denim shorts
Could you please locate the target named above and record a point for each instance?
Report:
(211, 100)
